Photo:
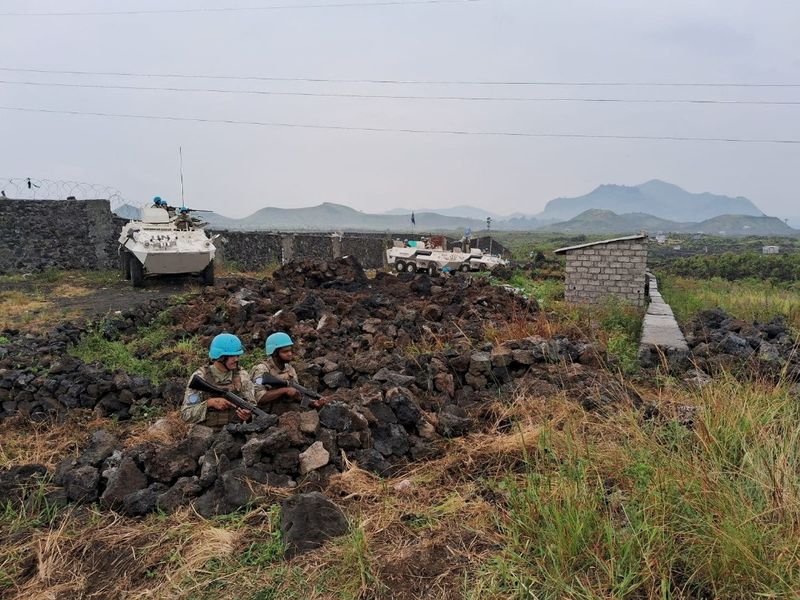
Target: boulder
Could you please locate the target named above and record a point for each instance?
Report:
(123, 481)
(308, 520)
(453, 421)
(143, 501)
(387, 376)
(335, 379)
(275, 440)
(80, 481)
(314, 457)
(101, 445)
(404, 406)
(179, 494)
(390, 439)
(340, 417)
(309, 421)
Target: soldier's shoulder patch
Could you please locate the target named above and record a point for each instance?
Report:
(259, 381)
(194, 398)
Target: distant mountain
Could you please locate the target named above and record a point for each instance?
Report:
(126, 211)
(597, 220)
(744, 225)
(608, 222)
(331, 217)
(657, 198)
(464, 211)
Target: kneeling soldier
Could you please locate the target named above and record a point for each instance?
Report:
(279, 348)
(224, 372)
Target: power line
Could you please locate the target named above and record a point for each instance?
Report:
(162, 11)
(518, 134)
(401, 97)
(408, 81)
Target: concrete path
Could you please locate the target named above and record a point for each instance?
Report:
(660, 332)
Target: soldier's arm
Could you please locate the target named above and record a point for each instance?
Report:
(194, 406)
(264, 394)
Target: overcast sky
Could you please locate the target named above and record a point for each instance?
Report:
(236, 169)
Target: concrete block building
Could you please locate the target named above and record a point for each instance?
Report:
(608, 268)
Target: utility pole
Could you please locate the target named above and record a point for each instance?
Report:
(489, 232)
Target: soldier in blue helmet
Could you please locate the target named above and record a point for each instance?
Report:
(280, 352)
(222, 371)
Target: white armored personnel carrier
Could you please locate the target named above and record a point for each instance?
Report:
(165, 243)
(413, 256)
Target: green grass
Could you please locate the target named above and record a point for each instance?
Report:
(546, 291)
(751, 300)
(4, 340)
(654, 510)
(150, 353)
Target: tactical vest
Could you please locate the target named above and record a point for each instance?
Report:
(217, 419)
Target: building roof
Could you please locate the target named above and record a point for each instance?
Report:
(638, 236)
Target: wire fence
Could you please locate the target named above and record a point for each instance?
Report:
(29, 188)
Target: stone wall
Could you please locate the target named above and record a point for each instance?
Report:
(82, 234)
(249, 250)
(487, 244)
(62, 234)
(255, 250)
(602, 270)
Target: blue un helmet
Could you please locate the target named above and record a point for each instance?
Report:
(225, 344)
(276, 341)
(157, 201)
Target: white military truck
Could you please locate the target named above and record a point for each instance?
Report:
(411, 257)
(162, 243)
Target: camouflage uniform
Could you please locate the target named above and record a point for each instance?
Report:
(288, 373)
(194, 408)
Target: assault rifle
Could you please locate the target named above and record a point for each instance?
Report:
(201, 385)
(277, 382)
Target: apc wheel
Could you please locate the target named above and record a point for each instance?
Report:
(464, 268)
(137, 272)
(208, 274)
(125, 264)
(411, 268)
(432, 270)
(400, 266)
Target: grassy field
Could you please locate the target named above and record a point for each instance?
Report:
(745, 299)
(566, 504)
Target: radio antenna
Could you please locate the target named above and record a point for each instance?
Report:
(180, 155)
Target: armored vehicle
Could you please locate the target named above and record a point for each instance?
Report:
(165, 243)
(413, 256)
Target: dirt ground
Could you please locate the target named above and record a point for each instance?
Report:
(36, 302)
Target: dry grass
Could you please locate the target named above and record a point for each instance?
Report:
(25, 442)
(68, 290)
(543, 324)
(19, 308)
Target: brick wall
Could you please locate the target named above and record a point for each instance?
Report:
(614, 269)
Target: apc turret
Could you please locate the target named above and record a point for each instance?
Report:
(164, 242)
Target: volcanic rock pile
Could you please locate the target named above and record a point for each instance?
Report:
(403, 361)
(721, 342)
(38, 377)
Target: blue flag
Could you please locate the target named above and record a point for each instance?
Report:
(413, 221)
